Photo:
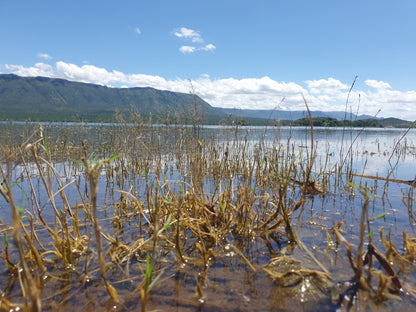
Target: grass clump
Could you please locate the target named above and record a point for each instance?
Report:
(173, 217)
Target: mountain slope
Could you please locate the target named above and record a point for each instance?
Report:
(290, 115)
(49, 99)
(40, 98)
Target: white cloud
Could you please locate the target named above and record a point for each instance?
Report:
(250, 93)
(40, 69)
(86, 73)
(394, 103)
(44, 56)
(377, 84)
(328, 86)
(187, 49)
(254, 93)
(208, 47)
(137, 31)
(192, 49)
(97, 75)
(195, 38)
(190, 34)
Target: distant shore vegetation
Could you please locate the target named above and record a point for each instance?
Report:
(230, 121)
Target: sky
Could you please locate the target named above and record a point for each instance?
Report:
(356, 55)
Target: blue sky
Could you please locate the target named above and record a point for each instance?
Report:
(242, 54)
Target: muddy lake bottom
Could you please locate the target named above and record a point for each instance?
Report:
(207, 218)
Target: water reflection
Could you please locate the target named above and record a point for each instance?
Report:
(217, 272)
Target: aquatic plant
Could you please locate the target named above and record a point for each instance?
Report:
(136, 216)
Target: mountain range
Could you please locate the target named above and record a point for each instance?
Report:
(290, 115)
(52, 99)
(49, 99)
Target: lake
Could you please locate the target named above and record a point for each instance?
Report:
(208, 218)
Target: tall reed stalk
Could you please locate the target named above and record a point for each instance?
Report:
(93, 172)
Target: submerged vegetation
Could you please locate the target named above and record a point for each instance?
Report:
(142, 217)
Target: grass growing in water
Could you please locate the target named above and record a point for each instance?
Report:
(155, 226)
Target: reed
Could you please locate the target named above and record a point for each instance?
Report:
(134, 208)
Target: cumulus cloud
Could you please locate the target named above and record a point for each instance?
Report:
(98, 75)
(250, 93)
(328, 86)
(192, 49)
(187, 49)
(137, 31)
(377, 84)
(195, 37)
(208, 47)
(187, 33)
(44, 56)
(40, 69)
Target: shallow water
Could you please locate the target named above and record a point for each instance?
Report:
(225, 280)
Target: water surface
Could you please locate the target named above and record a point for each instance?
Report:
(225, 280)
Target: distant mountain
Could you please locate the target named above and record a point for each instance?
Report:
(394, 123)
(290, 115)
(48, 99)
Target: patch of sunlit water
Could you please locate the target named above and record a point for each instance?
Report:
(229, 283)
